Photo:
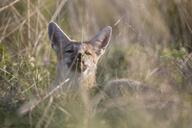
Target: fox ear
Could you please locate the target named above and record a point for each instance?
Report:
(57, 37)
(101, 40)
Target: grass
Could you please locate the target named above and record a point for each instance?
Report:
(151, 43)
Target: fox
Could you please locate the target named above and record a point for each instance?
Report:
(78, 60)
(76, 72)
(76, 64)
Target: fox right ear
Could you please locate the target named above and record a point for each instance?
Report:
(101, 40)
(57, 37)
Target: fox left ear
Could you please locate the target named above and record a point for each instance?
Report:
(101, 40)
(57, 37)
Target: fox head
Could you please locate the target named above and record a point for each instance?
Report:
(78, 57)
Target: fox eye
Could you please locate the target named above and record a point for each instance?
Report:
(69, 51)
(87, 53)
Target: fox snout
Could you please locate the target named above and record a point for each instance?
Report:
(81, 67)
(77, 63)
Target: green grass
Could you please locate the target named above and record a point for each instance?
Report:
(150, 43)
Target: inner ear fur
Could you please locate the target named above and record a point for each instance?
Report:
(101, 40)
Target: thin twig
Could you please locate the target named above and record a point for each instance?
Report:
(28, 20)
(9, 5)
(58, 10)
(31, 105)
(45, 113)
(17, 27)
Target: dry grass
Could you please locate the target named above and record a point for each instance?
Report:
(151, 43)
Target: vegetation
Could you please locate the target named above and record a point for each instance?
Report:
(151, 43)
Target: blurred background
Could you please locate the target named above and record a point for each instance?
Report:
(151, 43)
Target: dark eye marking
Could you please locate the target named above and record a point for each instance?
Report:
(68, 48)
(69, 51)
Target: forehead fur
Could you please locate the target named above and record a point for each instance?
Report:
(79, 47)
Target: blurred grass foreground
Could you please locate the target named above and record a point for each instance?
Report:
(151, 43)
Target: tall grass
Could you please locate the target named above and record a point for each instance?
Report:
(151, 43)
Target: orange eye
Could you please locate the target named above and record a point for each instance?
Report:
(87, 53)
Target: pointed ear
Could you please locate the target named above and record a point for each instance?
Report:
(101, 40)
(57, 37)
